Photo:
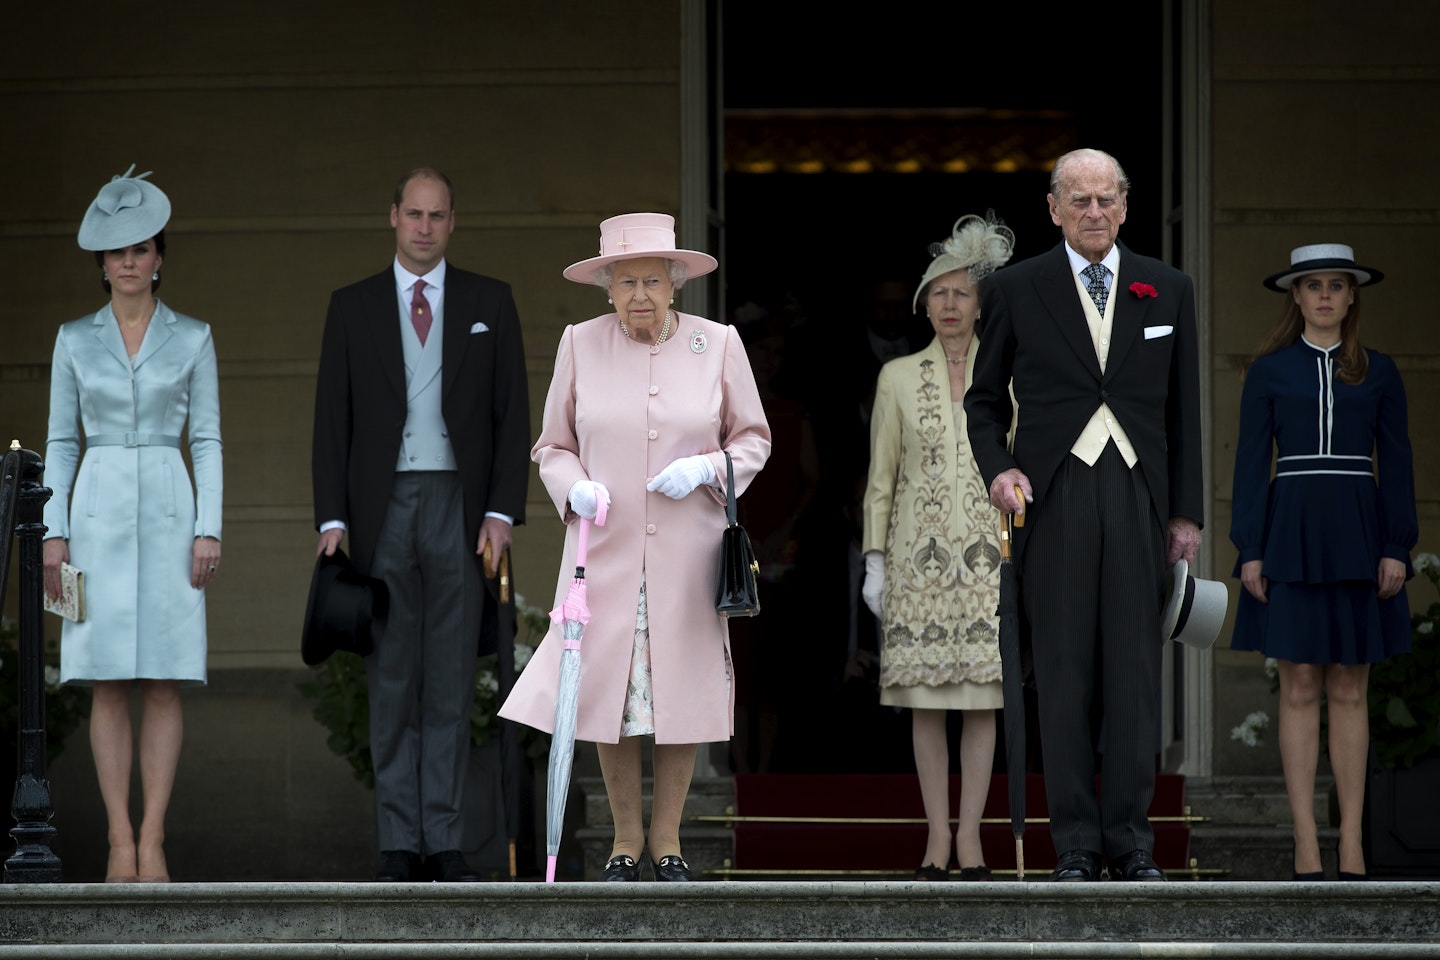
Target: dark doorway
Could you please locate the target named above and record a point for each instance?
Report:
(852, 144)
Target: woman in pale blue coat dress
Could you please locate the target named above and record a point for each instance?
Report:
(123, 383)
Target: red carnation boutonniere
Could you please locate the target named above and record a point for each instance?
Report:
(1143, 290)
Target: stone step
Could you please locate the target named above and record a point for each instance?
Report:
(714, 920)
(1262, 801)
(1244, 834)
(709, 796)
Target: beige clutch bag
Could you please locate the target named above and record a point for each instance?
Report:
(71, 604)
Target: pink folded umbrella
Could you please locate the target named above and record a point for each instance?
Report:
(572, 615)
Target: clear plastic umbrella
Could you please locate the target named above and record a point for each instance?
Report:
(572, 615)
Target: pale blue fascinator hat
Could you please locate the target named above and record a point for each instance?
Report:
(126, 211)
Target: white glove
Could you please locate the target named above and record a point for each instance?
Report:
(585, 497)
(874, 585)
(682, 476)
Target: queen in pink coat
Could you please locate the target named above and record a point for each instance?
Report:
(644, 403)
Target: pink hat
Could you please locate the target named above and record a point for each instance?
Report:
(631, 236)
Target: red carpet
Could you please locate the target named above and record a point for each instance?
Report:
(867, 847)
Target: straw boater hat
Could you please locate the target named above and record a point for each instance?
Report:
(1323, 258)
(978, 244)
(126, 211)
(1195, 610)
(631, 236)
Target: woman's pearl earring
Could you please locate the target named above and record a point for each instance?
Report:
(155, 275)
(672, 301)
(105, 275)
(610, 300)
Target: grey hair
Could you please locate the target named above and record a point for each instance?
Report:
(677, 269)
(1057, 173)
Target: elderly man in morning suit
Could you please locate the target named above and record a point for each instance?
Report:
(1101, 346)
(422, 451)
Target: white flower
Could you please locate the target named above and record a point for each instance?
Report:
(1425, 562)
(52, 678)
(1250, 731)
(1426, 628)
(1272, 667)
(523, 653)
(487, 682)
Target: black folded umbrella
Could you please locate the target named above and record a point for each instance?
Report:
(1012, 678)
(505, 677)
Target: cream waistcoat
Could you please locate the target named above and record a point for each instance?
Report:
(1103, 427)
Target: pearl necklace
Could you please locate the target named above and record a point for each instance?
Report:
(954, 363)
(664, 329)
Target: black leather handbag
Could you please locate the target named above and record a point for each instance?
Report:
(738, 594)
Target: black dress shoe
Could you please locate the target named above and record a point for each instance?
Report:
(398, 866)
(1137, 865)
(1310, 876)
(673, 869)
(1076, 866)
(932, 874)
(449, 866)
(1345, 875)
(981, 873)
(621, 868)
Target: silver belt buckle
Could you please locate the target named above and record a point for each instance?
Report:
(132, 438)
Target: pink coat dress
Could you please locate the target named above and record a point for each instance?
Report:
(618, 412)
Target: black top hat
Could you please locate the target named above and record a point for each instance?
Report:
(1323, 258)
(344, 609)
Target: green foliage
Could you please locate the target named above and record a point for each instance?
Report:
(1405, 690)
(65, 707)
(343, 706)
(342, 700)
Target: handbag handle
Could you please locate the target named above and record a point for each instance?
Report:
(729, 490)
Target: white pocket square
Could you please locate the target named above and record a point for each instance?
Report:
(1162, 331)
(483, 327)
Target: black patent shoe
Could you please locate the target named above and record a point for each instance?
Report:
(1345, 875)
(931, 874)
(673, 869)
(1313, 875)
(449, 866)
(398, 866)
(1136, 866)
(1076, 866)
(621, 868)
(980, 873)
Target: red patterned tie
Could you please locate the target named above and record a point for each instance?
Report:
(420, 311)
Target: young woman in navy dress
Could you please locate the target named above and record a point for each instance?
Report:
(1324, 547)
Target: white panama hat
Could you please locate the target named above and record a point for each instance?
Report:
(1196, 608)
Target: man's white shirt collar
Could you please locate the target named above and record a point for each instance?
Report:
(1112, 261)
(404, 279)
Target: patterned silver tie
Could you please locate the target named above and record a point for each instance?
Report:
(1095, 285)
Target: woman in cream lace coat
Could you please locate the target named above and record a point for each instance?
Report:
(932, 551)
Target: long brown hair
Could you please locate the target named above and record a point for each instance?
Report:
(1354, 361)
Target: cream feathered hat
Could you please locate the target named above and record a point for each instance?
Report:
(978, 244)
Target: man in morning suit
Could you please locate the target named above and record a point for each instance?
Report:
(1101, 345)
(422, 452)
